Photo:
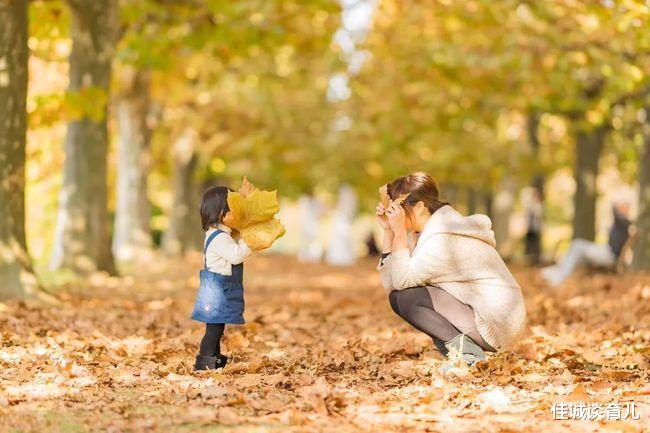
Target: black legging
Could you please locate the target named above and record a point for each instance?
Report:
(415, 307)
(211, 341)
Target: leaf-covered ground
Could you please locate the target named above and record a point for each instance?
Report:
(321, 351)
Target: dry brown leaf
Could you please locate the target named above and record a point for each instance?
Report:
(316, 394)
(578, 394)
(383, 196)
(249, 380)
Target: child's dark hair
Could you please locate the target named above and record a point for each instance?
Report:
(214, 206)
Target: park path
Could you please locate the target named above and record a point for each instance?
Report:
(321, 352)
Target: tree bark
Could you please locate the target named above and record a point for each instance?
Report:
(488, 203)
(641, 259)
(589, 146)
(184, 231)
(532, 125)
(503, 206)
(538, 181)
(17, 279)
(472, 201)
(132, 233)
(82, 238)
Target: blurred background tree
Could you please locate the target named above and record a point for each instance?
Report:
(134, 107)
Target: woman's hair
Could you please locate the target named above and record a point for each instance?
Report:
(419, 187)
(214, 206)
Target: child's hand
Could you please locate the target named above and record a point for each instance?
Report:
(381, 217)
(396, 217)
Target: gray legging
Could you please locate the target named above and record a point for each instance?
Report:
(436, 313)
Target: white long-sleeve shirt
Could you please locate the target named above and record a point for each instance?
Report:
(224, 251)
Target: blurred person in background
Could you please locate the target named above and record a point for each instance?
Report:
(534, 221)
(584, 252)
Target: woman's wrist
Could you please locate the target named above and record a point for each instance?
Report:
(400, 240)
(388, 241)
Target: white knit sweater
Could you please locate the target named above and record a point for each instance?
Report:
(457, 254)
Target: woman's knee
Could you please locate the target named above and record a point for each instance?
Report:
(403, 301)
(392, 299)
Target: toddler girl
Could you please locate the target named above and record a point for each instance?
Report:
(221, 294)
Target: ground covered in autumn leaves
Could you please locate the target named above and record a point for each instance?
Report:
(321, 351)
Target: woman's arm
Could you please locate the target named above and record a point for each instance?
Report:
(387, 246)
(397, 221)
(406, 271)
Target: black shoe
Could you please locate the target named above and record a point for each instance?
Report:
(210, 362)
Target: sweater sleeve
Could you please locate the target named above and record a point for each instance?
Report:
(226, 247)
(426, 266)
(384, 274)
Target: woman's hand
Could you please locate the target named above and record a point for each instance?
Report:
(381, 217)
(397, 221)
(396, 217)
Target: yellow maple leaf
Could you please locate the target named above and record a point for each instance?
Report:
(260, 236)
(246, 187)
(252, 214)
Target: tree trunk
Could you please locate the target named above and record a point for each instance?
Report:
(504, 204)
(589, 146)
(488, 203)
(642, 247)
(17, 279)
(534, 243)
(82, 238)
(449, 193)
(538, 180)
(184, 231)
(472, 201)
(132, 234)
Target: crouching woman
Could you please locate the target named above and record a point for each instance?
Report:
(444, 275)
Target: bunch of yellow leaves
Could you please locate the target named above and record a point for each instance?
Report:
(252, 214)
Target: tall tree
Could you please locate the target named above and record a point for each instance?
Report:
(534, 242)
(642, 247)
(132, 235)
(17, 278)
(82, 239)
(589, 147)
(184, 231)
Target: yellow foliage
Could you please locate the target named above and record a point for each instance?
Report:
(252, 213)
(262, 235)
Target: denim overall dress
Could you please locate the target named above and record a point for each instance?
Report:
(221, 297)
